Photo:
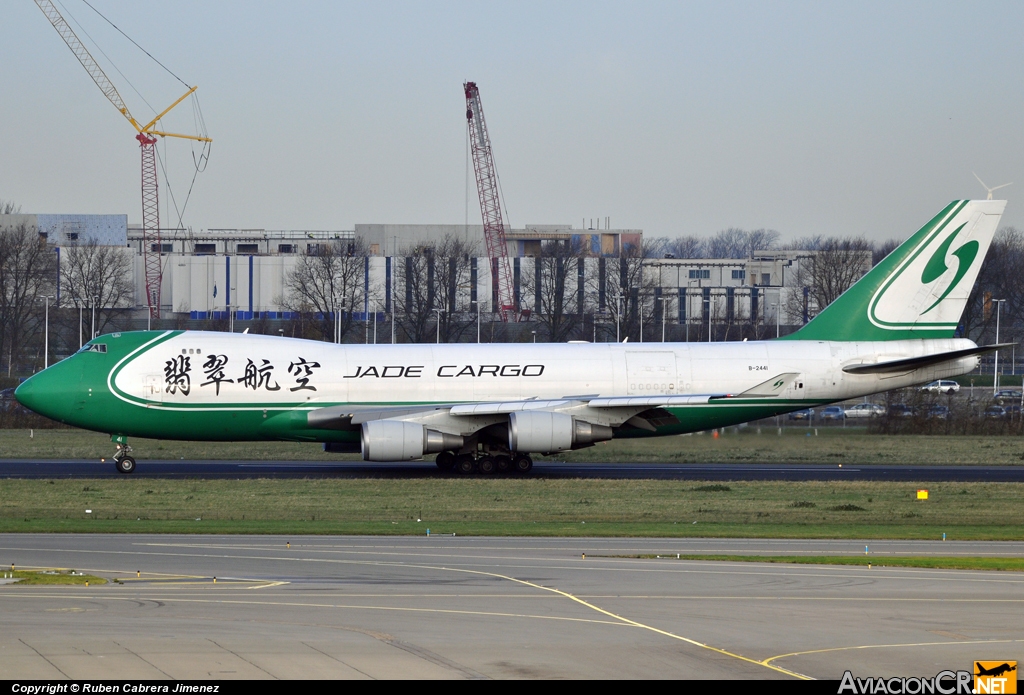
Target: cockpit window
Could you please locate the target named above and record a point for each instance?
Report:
(95, 347)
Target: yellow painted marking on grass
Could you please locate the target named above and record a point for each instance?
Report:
(890, 646)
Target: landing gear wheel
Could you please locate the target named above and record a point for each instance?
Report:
(522, 464)
(503, 463)
(486, 465)
(125, 465)
(465, 464)
(445, 460)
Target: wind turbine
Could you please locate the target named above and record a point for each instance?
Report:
(990, 189)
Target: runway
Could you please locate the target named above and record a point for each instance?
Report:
(474, 608)
(79, 468)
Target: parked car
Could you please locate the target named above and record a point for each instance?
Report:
(900, 410)
(941, 386)
(833, 412)
(1012, 412)
(938, 412)
(995, 412)
(865, 410)
(1006, 397)
(806, 414)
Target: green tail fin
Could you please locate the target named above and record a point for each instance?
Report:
(920, 289)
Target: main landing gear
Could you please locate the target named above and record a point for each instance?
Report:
(485, 463)
(123, 460)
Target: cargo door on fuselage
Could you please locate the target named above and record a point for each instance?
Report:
(651, 372)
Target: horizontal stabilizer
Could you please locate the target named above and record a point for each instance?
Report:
(911, 363)
(772, 387)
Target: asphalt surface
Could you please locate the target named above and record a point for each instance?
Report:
(34, 468)
(477, 608)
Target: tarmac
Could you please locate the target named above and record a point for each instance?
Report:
(81, 468)
(454, 608)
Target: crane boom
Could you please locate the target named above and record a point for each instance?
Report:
(86, 59)
(490, 203)
(146, 135)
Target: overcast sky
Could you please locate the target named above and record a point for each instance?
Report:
(674, 118)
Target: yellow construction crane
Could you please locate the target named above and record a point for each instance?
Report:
(147, 137)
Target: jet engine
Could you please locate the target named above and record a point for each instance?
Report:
(396, 440)
(543, 432)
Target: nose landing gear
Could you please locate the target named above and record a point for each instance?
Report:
(123, 460)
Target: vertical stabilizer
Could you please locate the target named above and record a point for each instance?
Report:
(920, 289)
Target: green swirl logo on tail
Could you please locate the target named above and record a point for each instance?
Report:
(937, 264)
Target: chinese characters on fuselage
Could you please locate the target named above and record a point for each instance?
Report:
(178, 379)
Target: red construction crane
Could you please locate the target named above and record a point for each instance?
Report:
(146, 135)
(490, 203)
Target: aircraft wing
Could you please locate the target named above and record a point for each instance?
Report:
(344, 417)
(912, 363)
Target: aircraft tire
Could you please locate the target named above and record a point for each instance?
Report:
(445, 460)
(522, 464)
(125, 465)
(465, 464)
(503, 463)
(486, 465)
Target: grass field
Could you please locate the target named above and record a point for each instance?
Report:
(512, 506)
(831, 445)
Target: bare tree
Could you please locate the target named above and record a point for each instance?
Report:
(8, 207)
(557, 271)
(452, 272)
(27, 272)
(100, 276)
(687, 247)
(829, 271)
(326, 280)
(414, 298)
(999, 278)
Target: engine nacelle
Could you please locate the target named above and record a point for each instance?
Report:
(396, 440)
(542, 432)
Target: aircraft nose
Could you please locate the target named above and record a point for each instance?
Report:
(45, 393)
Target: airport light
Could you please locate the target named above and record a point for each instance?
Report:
(775, 308)
(438, 325)
(474, 301)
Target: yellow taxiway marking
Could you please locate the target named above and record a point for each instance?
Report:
(640, 625)
(890, 646)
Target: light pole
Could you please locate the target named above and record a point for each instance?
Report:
(474, 301)
(337, 320)
(995, 367)
(80, 341)
(149, 318)
(534, 336)
(93, 334)
(775, 308)
(618, 317)
(641, 302)
(375, 324)
(46, 332)
(438, 325)
(663, 317)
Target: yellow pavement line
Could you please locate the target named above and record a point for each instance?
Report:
(889, 646)
(642, 626)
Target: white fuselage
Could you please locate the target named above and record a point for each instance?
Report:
(232, 370)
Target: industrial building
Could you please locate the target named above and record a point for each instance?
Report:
(209, 273)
